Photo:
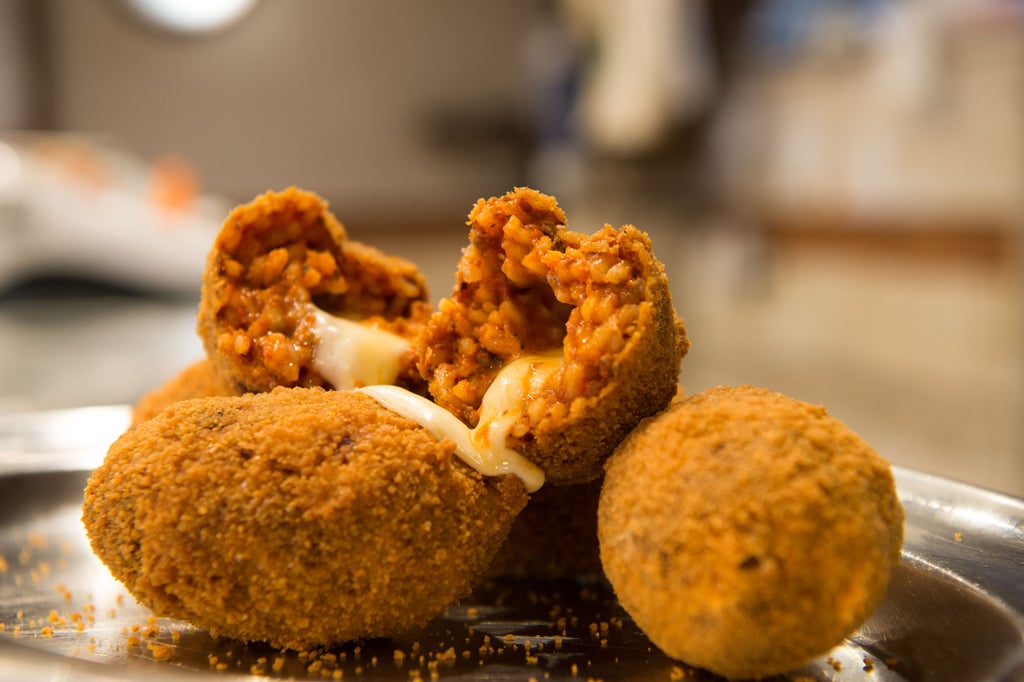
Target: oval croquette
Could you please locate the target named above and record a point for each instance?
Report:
(277, 260)
(527, 286)
(746, 532)
(300, 517)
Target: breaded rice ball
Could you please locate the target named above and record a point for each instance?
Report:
(300, 517)
(275, 261)
(198, 380)
(528, 286)
(555, 536)
(746, 532)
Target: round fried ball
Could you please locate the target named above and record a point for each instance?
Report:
(300, 517)
(275, 261)
(747, 532)
(527, 285)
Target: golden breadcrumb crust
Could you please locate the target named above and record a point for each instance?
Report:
(747, 532)
(528, 285)
(301, 517)
(272, 259)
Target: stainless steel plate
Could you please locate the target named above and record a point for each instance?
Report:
(953, 613)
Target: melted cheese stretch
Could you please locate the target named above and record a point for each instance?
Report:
(506, 398)
(482, 448)
(350, 354)
(494, 460)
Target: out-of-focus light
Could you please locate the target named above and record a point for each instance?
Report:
(192, 16)
(10, 166)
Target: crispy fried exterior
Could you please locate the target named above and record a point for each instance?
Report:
(272, 261)
(300, 517)
(746, 532)
(526, 285)
(555, 536)
(198, 380)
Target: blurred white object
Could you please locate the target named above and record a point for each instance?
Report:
(73, 207)
(192, 16)
(649, 72)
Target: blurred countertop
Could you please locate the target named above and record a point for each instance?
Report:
(74, 343)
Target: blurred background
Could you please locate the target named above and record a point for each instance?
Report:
(835, 187)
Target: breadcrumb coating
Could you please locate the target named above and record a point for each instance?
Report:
(273, 260)
(746, 532)
(528, 285)
(300, 517)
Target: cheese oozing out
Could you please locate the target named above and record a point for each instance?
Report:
(349, 354)
(482, 447)
(506, 398)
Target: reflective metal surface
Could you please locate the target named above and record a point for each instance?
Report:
(953, 613)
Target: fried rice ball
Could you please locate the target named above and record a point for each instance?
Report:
(300, 517)
(275, 261)
(527, 285)
(555, 536)
(747, 532)
(198, 380)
